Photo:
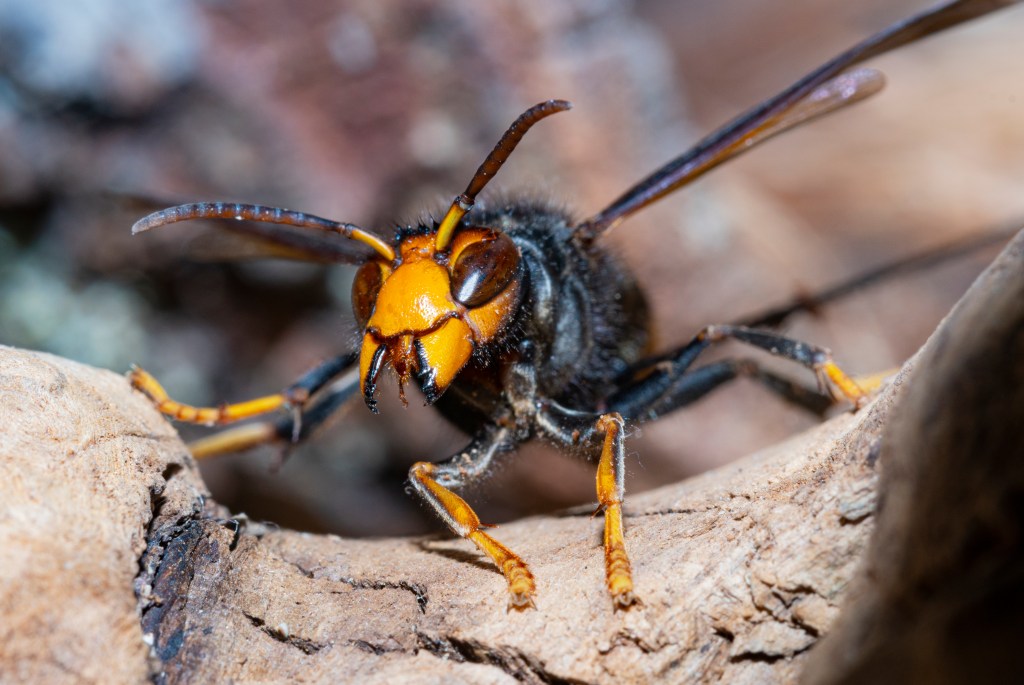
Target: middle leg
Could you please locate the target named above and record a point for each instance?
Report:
(611, 480)
(571, 428)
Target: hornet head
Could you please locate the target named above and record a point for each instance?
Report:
(424, 313)
(423, 309)
(446, 293)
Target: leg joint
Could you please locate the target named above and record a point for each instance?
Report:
(821, 358)
(610, 422)
(711, 333)
(422, 469)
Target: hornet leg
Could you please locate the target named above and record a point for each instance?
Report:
(571, 428)
(294, 395)
(288, 430)
(655, 395)
(661, 384)
(611, 478)
(435, 482)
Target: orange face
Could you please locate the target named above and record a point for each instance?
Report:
(427, 311)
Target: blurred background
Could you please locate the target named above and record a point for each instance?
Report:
(377, 112)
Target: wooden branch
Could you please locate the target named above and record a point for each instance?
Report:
(84, 464)
(941, 597)
(116, 566)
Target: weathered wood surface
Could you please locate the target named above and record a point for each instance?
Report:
(941, 595)
(109, 546)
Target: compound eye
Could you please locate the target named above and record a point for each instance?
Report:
(484, 269)
(365, 288)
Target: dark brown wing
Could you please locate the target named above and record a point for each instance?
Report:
(792, 106)
(275, 232)
(218, 243)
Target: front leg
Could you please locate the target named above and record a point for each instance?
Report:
(434, 483)
(293, 397)
(286, 431)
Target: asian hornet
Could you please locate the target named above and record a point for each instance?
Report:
(516, 323)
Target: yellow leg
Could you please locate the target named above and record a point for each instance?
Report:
(610, 490)
(463, 521)
(237, 439)
(876, 380)
(850, 389)
(209, 416)
(813, 357)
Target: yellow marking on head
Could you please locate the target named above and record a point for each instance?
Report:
(417, 326)
(366, 354)
(491, 318)
(446, 351)
(416, 297)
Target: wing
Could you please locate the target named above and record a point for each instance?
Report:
(824, 90)
(277, 232)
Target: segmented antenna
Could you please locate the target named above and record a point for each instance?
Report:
(464, 202)
(261, 214)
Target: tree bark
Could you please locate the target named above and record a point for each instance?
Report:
(941, 596)
(116, 565)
